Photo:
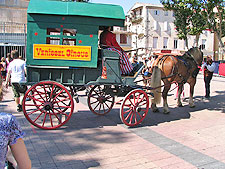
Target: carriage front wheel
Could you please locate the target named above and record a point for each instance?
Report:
(48, 105)
(100, 102)
(134, 107)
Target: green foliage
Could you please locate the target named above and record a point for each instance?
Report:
(194, 16)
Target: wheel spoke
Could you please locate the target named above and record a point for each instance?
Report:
(128, 105)
(138, 97)
(129, 114)
(62, 106)
(134, 98)
(50, 117)
(57, 94)
(33, 105)
(141, 100)
(94, 102)
(134, 107)
(44, 119)
(139, 114)
(45, 91)
(39, 94)
(56, 116)
(52, 89)
(96, 105)
(127, 111)
(131, 118)
(107, 105)
(32, 112)
(67, 98)
(35, 99)
(38, 116)
(131, 101)
(99, 102)
(51, 95)
(61, 112)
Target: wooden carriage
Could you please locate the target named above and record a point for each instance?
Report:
(63, 57)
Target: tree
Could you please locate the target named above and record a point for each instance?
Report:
(188, 18)
(194, 16)
(214, 11)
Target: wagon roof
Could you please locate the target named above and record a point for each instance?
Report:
(57, 7)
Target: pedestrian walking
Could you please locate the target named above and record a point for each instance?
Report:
(208, 68)
(3, 68)
(17, 71)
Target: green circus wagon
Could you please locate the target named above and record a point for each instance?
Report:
(63, 57)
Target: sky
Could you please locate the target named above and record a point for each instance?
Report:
(126, 4)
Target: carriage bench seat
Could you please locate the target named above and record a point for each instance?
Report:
(137, 69)
(129, 80)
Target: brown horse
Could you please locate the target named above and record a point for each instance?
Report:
(172, 69)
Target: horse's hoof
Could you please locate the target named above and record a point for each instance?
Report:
(155, 110)
(191, 105)
(166, 112)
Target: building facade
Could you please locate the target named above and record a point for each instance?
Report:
(14, 11)
(123, 37)
(153, 28)
(13, 19)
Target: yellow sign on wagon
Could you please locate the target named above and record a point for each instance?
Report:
(61, 52)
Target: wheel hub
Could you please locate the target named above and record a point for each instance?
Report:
(101, 99)
(48, 106)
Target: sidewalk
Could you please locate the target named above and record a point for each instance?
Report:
(187, 138)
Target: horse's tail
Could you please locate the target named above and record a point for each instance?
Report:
(156, 84)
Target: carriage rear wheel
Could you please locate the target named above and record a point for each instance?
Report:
(48, 105)
(100, 102)
(134, 107)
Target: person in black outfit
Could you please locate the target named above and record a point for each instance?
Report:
(208, 67)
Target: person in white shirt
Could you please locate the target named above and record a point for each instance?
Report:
(17, 71)
(208, 68)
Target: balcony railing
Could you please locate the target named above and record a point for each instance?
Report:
(136, 20)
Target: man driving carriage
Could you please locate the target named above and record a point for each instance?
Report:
(108, 41)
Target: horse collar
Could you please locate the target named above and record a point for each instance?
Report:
(192, 57)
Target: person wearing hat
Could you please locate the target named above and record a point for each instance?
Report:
(208, 68)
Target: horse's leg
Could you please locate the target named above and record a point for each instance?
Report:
(180, 89)
(164, 95)
(191, 102)
(154, 107)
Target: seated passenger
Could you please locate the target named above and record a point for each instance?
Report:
(108, 40)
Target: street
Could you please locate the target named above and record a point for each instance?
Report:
(187, 138)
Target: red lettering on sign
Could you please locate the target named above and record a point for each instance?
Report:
(38, 50)
(78, 54)
(68, 53)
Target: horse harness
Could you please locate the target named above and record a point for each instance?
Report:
(189, 63)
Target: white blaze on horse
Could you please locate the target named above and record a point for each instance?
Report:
(172, 69)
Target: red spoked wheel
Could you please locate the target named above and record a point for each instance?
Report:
(48, 105)
(99, 102)
(134, 107)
